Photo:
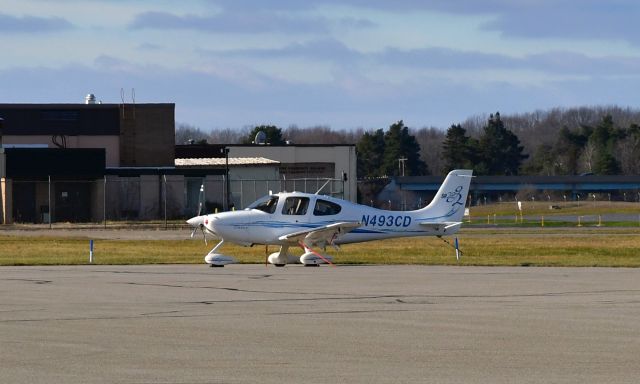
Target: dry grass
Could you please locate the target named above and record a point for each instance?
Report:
(534, 247)
(584, 208)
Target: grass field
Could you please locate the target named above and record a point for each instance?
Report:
(611, 247)
(585, 208)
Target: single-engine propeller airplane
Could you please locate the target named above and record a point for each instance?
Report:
(308, 220)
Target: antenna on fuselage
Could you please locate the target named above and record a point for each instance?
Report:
(323, 185)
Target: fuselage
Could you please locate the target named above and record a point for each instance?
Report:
(271, 217)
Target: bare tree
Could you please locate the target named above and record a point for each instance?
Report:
(186, 134)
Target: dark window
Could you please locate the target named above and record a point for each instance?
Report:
(268, 206)
(295, 206)
(326, 208)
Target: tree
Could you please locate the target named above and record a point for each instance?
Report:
(628, 151)
(606, 164)
(569, 147)
(499, 149)
(186, 134)
(399, 144)
(458, 149)
(274, 135)
(370, 150)
(603, 139)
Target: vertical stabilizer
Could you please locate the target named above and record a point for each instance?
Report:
(449, 203)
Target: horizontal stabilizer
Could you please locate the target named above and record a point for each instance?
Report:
(444, 227)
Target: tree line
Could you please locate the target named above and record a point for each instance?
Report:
(598, 140)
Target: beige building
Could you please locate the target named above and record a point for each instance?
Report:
(56, 157)
(300, 167)
(107, 162)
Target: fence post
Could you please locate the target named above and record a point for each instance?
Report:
(164, 191)
(104, 202)
(50, 206)
(225, 203)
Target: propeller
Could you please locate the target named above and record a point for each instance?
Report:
(200, 198)
(266, 255)
(198, 224)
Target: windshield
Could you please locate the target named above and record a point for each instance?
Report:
(268, 205)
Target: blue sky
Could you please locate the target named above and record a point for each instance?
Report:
(345, 64)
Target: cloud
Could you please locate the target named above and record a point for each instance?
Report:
(320, 49)
(556, 62)
(32, 24)
(224, 96)
(231, 22)
(443, 59)
(571, 20)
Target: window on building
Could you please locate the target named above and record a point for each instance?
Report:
(326, 208)
(295, 206)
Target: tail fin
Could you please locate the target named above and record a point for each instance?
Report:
(449, 203)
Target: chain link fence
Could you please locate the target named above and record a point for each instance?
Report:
(159, 200)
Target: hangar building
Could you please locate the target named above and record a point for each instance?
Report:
(97, 162)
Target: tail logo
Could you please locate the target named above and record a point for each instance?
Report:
(454, 197)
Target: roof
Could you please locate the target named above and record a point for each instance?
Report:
(221, 162)
(184, 151)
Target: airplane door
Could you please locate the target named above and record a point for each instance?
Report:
(296, 209)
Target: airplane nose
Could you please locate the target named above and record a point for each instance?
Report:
(195, 221)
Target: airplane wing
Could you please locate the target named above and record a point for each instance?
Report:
(322, 235)
(444, 227)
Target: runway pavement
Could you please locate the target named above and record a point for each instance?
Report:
(364, 324)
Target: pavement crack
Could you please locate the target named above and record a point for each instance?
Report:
(36, 281)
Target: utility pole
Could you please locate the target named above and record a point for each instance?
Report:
(227, 183)
(401, 165)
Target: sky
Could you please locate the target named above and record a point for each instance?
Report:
(343, 64)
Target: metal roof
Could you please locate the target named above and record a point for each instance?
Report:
(221, 162)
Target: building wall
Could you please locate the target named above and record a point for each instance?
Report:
(111, 144)
(147, 135)
(344, 158)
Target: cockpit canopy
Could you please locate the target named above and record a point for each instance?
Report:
(296, 205)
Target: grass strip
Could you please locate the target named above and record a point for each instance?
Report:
(544, 247)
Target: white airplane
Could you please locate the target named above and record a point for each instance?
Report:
(308, 220)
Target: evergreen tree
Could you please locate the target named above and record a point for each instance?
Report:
(274, 135)
(499, 149)
(606, 164)
(370, 149)
(604, 138)
(568, 147)
(458, 149)
(400, 144)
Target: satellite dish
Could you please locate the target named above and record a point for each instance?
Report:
(261, 138)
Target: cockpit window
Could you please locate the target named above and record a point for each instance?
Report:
(268, 206)
(295, 206)
(326, 208)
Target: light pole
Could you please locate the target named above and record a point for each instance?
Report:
(225, 151)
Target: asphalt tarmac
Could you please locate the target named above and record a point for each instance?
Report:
(345, 324)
